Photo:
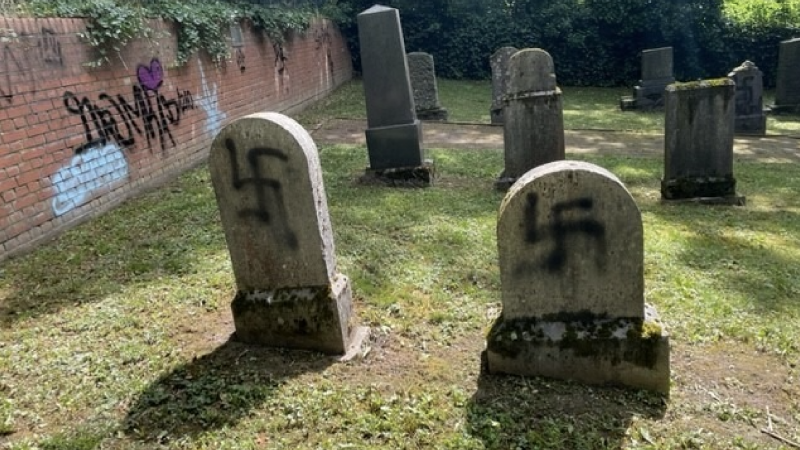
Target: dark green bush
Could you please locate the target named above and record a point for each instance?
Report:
(593, 42)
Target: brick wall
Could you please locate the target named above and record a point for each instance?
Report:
(75, 141)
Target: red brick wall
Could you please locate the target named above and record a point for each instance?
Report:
(75, 140)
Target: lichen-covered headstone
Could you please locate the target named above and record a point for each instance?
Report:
(500, 75)
(749, 111)
(533, 131)
(656, 75)
(571, 251)
(268, 184)
(426, 91)
(394, 136)
(787, 88)
(698, 142)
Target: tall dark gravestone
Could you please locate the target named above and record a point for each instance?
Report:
(750, 117)
(394, 136)
(656, 75)
(268, 184)
(787, 89)
(698, 142)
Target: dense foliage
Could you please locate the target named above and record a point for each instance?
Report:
(201, 24)
(593, 42)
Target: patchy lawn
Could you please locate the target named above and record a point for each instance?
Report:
(116, 334)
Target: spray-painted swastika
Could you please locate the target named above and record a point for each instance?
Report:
(559, 230)
(271, 212)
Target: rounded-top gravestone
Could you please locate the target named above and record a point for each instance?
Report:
(570, 241)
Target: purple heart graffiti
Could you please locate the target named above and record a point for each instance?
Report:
(150, 77)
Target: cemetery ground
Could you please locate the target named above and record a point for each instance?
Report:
(116, 334)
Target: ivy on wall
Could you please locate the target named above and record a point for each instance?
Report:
(201, 24)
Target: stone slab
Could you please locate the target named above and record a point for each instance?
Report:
(570, 241)
(698, 141)
(787, 88)
(749, 112)
(603, 351)
(395, 146)
(657, 64)
(426, 91)
(500, 76)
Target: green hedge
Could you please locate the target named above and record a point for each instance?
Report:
(593, 42)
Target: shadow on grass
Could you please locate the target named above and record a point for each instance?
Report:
(216, 390)
(533, 412)
(165, 233)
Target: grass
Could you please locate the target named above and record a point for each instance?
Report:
(585, 108)
(115, 335)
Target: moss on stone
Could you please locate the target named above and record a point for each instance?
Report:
(584, 338)
(700, 84)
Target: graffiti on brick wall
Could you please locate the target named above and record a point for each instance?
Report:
(148, 113)
(22, 55)
(95, 167)
(210, 104)
(323, 39)
(281, 73)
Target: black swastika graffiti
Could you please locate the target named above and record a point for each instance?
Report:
(271, 212)
(559, 230)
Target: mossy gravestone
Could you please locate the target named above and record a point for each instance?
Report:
(698, 142)
(570, 244)
(499, 63)
(426, 91)
(533, 132)
(268, 183)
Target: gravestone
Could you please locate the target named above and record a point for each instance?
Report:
(533, 131)
(426, 91)
(571, 252)
(656, 75)
(499, 63)
(749, 110)
(268, 184)
(394, 136)
(787, 88)
(698, 142)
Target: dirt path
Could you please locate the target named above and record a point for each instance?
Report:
(478, 136)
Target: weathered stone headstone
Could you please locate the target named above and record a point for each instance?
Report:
(698, 142)
(571, 252)
(656, 75)
(750, 117)
(426, 91)
(268, 183)
(533, 131)
(787, 88)
(394, 136)
(499, 62)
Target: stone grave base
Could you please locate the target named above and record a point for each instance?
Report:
(504, 183)
(395, 145)
(416, 176)
(784, 109)
(433, 114)
(622, 352)
(712, 190)
(751, 125)
(308, 318)
(647, 97)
